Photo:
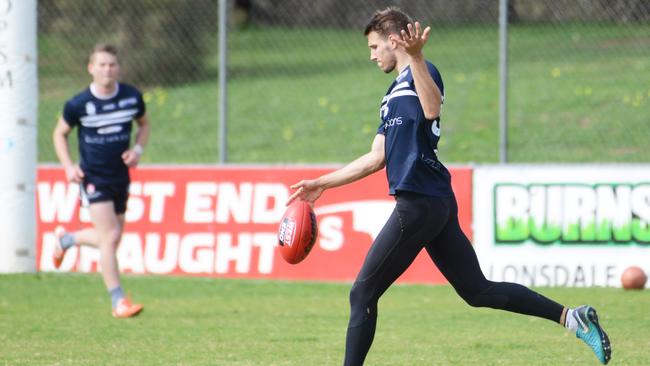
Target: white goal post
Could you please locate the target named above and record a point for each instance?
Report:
(18, 135)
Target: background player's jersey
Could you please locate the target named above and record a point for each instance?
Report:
(412, 140)
(104, 131)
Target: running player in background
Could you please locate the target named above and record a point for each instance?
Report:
(425, 215)
(103, 114)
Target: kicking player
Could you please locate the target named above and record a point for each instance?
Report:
(425, 215)
(103, 114)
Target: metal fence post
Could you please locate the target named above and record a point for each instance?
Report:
(503, 81)
(223, 80)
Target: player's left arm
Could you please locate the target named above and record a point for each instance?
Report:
(310, 189)
(131, 156)
(413, 40)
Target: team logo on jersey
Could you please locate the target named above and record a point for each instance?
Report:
(383, 111)
(90, 108)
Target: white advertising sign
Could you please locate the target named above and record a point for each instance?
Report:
(573, 226)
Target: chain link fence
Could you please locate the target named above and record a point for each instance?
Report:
(167, 49)
(301, 88)
(579, 81)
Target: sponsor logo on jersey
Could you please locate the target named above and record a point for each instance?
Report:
(126, 102)
(108, 107)
(109, 129)
(393, 122)
(109, 118)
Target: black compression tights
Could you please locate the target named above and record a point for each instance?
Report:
(431, 222)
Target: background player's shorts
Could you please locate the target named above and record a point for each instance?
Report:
(118, 193)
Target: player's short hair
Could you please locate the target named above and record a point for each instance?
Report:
(388, 21)
(103, 47)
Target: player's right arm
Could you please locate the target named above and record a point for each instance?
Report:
(60, 137)
(374, 160)
(413, 40)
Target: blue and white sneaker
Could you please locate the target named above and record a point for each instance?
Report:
(591, 333)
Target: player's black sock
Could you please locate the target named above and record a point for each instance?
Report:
(519, 299)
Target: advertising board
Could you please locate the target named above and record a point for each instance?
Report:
(574, 226)
(222, 222)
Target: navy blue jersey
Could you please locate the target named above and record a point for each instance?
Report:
(104, 131)
(412, 140)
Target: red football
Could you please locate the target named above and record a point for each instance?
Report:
(297, 232)
(633, 278)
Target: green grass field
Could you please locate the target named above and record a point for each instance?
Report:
(63, 319)
(578, 93)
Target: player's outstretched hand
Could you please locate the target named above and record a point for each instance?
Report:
(413, 39)
(306, 190)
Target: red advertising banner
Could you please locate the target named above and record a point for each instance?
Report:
(222, 222)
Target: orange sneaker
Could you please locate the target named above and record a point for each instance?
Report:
(125, 309)
(59, 252)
